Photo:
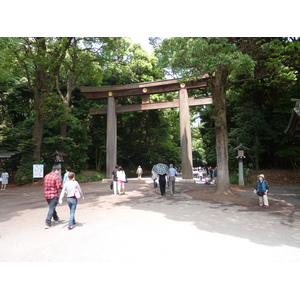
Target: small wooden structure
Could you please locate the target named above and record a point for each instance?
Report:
(145, 89)
(6, 155)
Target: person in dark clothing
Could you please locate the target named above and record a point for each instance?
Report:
(114, 178)
(162, 183)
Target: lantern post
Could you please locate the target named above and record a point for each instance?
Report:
(240, 156)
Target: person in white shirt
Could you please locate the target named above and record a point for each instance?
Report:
(121, 180)
(70, 188)
(139, 171)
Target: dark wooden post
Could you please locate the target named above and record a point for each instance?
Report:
(145, 89)
(185, 136)
(111, 138)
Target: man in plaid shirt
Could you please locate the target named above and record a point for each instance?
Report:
(52, 183)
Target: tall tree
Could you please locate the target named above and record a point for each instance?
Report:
(260, 107)
(191, 58)
(40, 59)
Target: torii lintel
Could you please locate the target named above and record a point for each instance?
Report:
(145, 89)
(142, 88)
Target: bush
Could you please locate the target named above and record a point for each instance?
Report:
(24, 173)
(87, 176)
(234, 179)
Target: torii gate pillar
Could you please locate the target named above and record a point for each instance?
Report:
(111, 138)
(145, 89)
(185, 136)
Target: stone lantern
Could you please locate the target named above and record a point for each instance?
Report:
(59, 156)
(240, 156)
(59, 159)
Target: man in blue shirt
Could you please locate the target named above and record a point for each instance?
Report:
(214, 175)
(171, 177)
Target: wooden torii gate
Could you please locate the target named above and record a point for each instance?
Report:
(145, 89)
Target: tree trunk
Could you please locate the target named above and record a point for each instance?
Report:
(38, 130)
(66, 100)
(218, 84)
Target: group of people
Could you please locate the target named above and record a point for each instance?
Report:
(72, 190)
(169, 176)
(3, 180)
(69, 188)
(211, 174)
(119, 179)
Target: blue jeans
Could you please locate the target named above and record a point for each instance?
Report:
(52, 212)
(72, 202)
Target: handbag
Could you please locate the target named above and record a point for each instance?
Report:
(126, 180)
(260, 193)
(77, 193)
(111, 185)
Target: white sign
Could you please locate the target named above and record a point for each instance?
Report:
(38, 171)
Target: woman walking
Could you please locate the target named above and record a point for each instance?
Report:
(74, 192)
(121, 180)
(262, 189)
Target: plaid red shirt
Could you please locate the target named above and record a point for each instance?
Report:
(52, 183)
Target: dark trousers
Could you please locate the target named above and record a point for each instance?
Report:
(52, 212)
(162, 185)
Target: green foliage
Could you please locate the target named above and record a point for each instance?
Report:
(263, 75)
(234, 178)
(75, 147)
(190, 57)
(24, 170)
(88, 176)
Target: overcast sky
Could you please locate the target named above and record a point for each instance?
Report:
(143, 40)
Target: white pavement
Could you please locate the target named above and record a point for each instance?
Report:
(145, 228)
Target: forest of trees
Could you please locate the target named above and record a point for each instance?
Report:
(252, 81)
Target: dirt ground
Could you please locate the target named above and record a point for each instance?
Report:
(284, 190)
(281, 197)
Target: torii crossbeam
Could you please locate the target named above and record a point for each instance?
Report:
(145, 89)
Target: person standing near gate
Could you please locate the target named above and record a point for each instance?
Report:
(4, 181)
(139, 172)
(171, 177)
(114, 178)
(52, 183)
(214, 175)
(121, 181)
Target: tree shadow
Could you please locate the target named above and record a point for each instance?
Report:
(279, 225)
(275, 226)
(14, 201)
